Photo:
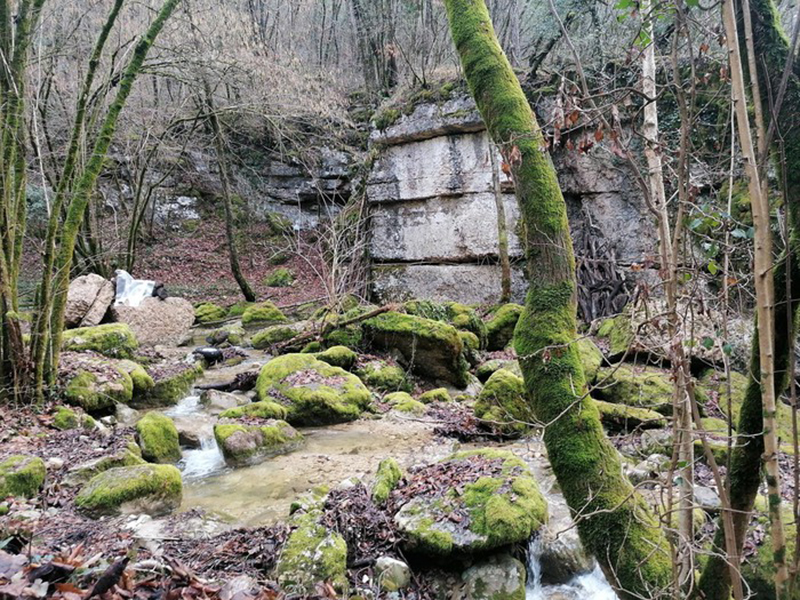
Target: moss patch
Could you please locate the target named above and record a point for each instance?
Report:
(266, 409)
(21, 476)
(591, 358)
(172, 382)
(244, 445)
(95, 389)
(282, 277)
(264, 313)
(115, 340)
(645, 387)
(312, 554)
(384, 377)
(208, 312)
(502, 404)
(158, 438)
(500, 327)
(339, 356)
(619, 417)
(272, 335)
(150, 489)
(386, 479)
(403, 402)
(435, 395)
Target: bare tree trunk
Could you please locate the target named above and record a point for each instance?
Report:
(614, 522)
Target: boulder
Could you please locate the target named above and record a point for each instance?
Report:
(620, 417)
(266, 409)
(496, 578)
(208, 312)
(21, 476)
(562, 556)
(500, 327)
(115, 340)
(216, 402)
(141, 489)
(171, 382)
(383, 377)
(262, 315)
(94, 382)
(157, 321)
(275, 334)
(88, 300)
(128, 456)
(435, 395)
(429, 348)
(469, 503)
(460, 316)
(339, 356)
(644, 387)
(158, 438)
(404, 402)
(65, 418)
(393, 575)
(246, 444)
(313, 392)
(485, 370)
(502, 405)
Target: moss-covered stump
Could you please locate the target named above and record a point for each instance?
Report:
(94, 382)
(115, 340)
(387, 477)
(247, 444)
(268, 337)
(383, 377)
(128, 456)
(619, 417)
(65, 418)
(485, 370)
(500, 327)
(142, 489)
(591, 358)
(21, 476)
(312, 554)
(313, 392)
(429, 348)
(208, 312)
(262, 315)
(497, 578)
(435, 395)
(339, 356)
(158, 438)
(172, 381)
(644, 387)
(502, 406)
(404, 402)
(265, 409)
(492, 491)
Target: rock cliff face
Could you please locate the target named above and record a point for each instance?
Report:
(434, 219)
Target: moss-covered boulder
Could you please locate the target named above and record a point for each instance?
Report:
(21, 476)
(93, 382)
(248, 444)
(430, 348)
(128, 455)
(115, 340)
(266, 409)
(383, 377)
(208, 312)
(313, 392)
(485, 370)
(142, 382)
(339, 356)
(386, 479)
(619, 417)
(460, 316)
(171, 382)
(591, 358)
(142, 489)
(270, 336)
(158, 438)
(645, 387)
(500, 327)
(492, 491)
(237, 310)
(404, 402)
(502, 405)
(435, 395)
(232, 334)
(66, 418)
(262, 315)
(312, 554)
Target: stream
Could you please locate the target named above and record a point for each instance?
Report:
(262, 494)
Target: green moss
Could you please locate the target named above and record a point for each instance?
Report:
(266, 409)
(169, 390)
(280, 224)
(502, 516)
(272, 335)
(314, 392)
(279, 278)
(312, 554)
(645, 387)
(115, 340)
(485, 370)
(470, 341)
(312, 348)
(502, 404)
(65, 418)
(21, 476)
(339, 356)
(229, 334)
(349, 336)
(460, 316)
(92, 393)
(237, 310)
(403, 402)
(264, 313)
(208, 312)
(244, 445)
(431, 348)
(384, 378)
(157, 486)
(386, 118)
(128, 456)
(158, 438)
(500, 328)
(591, 358)
(619, 417)
(619, 333)
(142, 382)
(386, 479)
(435, 395)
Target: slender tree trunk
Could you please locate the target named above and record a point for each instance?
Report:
(502, 230)
(614, 522)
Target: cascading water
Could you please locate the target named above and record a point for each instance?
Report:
(202, 462)
(589, 586)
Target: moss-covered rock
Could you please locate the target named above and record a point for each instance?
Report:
(314, 392)
(261, 315)
(386, 479)
(339, 356)
(497, 578)
(65, 418)
(208, 312)
(383, 377)
(435, 395)
(282, 277)
(95, 383)
(645, 387)
(247, 444)
(142, 489)
(403, 402)
(502, 404)
(495, 489)
(115, 340)
(272, 335)
(266, 409)
(618, 333)
(485, 370)
(591, 358)
(21, 476)
(237, 310)
(312, 554)
(460, 316)
(158, 438)
(619, 417)
(142, 382)
(128, 456)
(171, 383)
(430, 348)
(500, 328)
(232, 334)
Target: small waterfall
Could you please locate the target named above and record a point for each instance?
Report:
(589, 586)
(202, 462)
(188, 405)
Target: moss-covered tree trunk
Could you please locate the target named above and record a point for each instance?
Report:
(772, 47)
(614, 522)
